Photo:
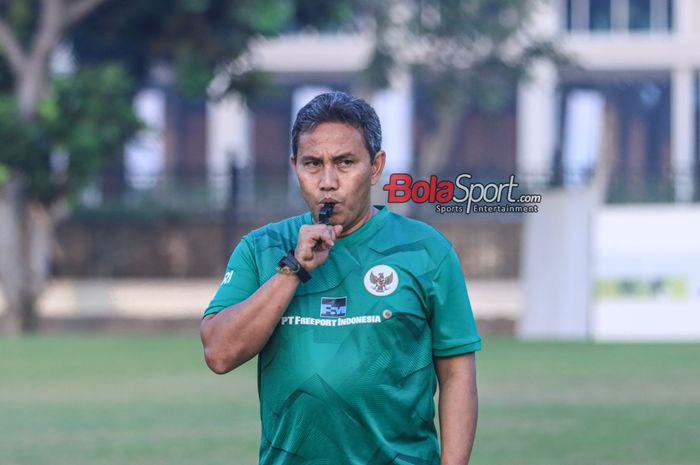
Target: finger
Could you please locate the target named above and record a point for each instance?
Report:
(310, 235)
(323, 232)
(317, 238)
(327, 239)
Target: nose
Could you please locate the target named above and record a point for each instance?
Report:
(329, 178)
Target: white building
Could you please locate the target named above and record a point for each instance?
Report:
(631, 270)
(653, 45)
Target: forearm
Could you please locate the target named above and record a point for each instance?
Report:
(458, 408)
(239, 332)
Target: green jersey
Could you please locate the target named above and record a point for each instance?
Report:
(347, 376)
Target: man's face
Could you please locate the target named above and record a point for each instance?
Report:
(333, 165)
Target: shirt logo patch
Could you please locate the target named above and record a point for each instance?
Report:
(381, 280)
(334, 307)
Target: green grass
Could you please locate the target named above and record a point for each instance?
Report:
(94, 399)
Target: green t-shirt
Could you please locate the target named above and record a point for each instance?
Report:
(347, 376)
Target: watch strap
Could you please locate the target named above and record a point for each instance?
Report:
(291, 262)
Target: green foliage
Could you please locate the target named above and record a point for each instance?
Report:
(463, 52)
(195, 37)
(84, 122)
(21, 15)
(88, 116)
(23, 148)
(4, 174)
(266, 16)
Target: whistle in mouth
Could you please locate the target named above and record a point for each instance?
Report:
(324, 217)
(325, 213)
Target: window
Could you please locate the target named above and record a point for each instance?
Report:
(618, 15)
(640, 15)
(600, 18)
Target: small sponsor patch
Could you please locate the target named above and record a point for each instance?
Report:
(227, 277)
(334, 307)
(387, 314)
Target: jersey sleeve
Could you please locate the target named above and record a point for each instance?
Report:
(451, 319)
(240, 280)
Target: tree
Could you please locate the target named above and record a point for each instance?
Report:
(59, 131)
(54, 138)
(30, 67)
(469, 54)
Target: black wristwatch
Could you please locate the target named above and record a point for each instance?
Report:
(290, 265)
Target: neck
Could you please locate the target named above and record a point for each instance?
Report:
(369, 213)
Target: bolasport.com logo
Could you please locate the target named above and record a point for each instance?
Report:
(460, 195)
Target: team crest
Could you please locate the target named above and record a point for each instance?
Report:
(381, 280)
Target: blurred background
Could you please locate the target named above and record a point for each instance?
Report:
(140, 140)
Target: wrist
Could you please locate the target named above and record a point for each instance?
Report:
(289, 265)
(287, 275)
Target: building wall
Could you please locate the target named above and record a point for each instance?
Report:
(200, 247)
(607, 57)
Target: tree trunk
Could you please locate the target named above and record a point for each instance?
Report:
(31, 76)
(31, 87)
(25, 250)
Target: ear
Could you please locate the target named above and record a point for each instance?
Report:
(293, 162)
(378, 166)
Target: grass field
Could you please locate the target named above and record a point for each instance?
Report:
(94, 399)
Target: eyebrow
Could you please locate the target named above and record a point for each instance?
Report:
(304, 158)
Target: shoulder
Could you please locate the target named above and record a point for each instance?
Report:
(406, 231)
(280, 233)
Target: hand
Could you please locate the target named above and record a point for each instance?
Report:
(307, 253)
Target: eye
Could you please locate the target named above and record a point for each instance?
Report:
(346, 162)
(312, 163)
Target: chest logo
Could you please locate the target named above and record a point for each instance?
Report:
(381, 280)
(334, 307)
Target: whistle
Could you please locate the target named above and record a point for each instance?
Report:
(325, 213)
(324, 217)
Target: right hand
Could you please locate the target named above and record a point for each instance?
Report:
(306, 252)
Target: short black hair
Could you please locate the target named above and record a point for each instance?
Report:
(339, 107)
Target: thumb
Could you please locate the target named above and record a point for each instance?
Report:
(338, 228)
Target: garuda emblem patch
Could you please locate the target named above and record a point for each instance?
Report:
(381, 280)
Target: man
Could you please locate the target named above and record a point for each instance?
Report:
(348, 359)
